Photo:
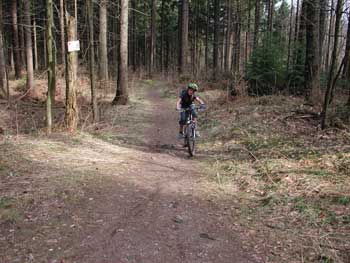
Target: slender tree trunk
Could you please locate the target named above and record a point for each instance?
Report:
(162, 26)
(332, 77)
(296, 33)
(216, 38)
(329, 36)
(247, 35)
(134, 35)
(322, 30)
(16, 47)
(228, 36)
(256, 24)
(300, 43)
(4, 91)
(346, 68)
(290, 34)
(184, 37)
(72, 111)
(63, 44)
(29, 45)
(152, 38)
(36, 61)
(51, 71)
(103, 41)
(122, 89)
(207, 37)
(312, 66)
(92, 60)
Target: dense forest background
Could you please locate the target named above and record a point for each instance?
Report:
(90, 167)
(260, 47)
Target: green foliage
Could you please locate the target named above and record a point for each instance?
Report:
(266, 70)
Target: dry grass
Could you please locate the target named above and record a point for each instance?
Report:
(291, 179)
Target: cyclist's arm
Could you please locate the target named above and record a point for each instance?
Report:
(178, 104)
(199, 100)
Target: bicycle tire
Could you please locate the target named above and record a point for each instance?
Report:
(190, 136)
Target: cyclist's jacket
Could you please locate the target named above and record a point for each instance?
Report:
(186, 100)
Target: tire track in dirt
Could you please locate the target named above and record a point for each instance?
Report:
(164, 215)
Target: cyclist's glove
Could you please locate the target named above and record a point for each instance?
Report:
(203, 106)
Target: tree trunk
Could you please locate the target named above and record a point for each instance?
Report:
(345, 73)
(92, 61)
(256, 24)
(299, 50)
(36, 61)
(103, 41)
(332, 77)
(207, 37)
(152, 38)
(63, 44)
(16, 48)
(4, 91)
(312, 66)
(29, 45)
(323, 8)
(228, 36)
(216, 38)
(134, 35)
(290, 34)
(51, 71)
(184, 37)
(122, 88)
(247, 36)
(72, 112)
(329, 36)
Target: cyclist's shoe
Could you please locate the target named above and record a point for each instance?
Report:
(180, 136)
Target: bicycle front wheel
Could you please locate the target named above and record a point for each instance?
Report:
(191, 140)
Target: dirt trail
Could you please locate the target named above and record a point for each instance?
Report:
(147, 204)
(162, 215)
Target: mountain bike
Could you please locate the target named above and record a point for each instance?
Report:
(189, 131)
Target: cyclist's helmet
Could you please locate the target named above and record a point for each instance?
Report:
(193, 86)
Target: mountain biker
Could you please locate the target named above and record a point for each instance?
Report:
(186, 100)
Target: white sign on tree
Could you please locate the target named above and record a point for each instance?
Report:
(73, 46)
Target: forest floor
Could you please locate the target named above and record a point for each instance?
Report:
(266, 185)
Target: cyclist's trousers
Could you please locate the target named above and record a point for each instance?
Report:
(183, 116)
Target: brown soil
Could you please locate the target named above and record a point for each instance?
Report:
(87, 200)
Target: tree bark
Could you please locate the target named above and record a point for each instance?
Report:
(72, 112)
(152, 38)
(4, 91)
(16, 48)
(331, 20)
(290, 34)
(206, 51)
(92, 60)
(29, 45)
(63, 44)
(51, 71)
(345, 73)
(103, 41)
(256, 24)
(184, 37)
(216, 38)
(332, 77)
(228, 36)
(36, 61)
(312, 66)
(122, 88)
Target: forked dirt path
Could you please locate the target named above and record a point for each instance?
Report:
(91, 200)
(162, 214)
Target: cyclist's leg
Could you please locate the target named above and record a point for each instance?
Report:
(182, 122)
